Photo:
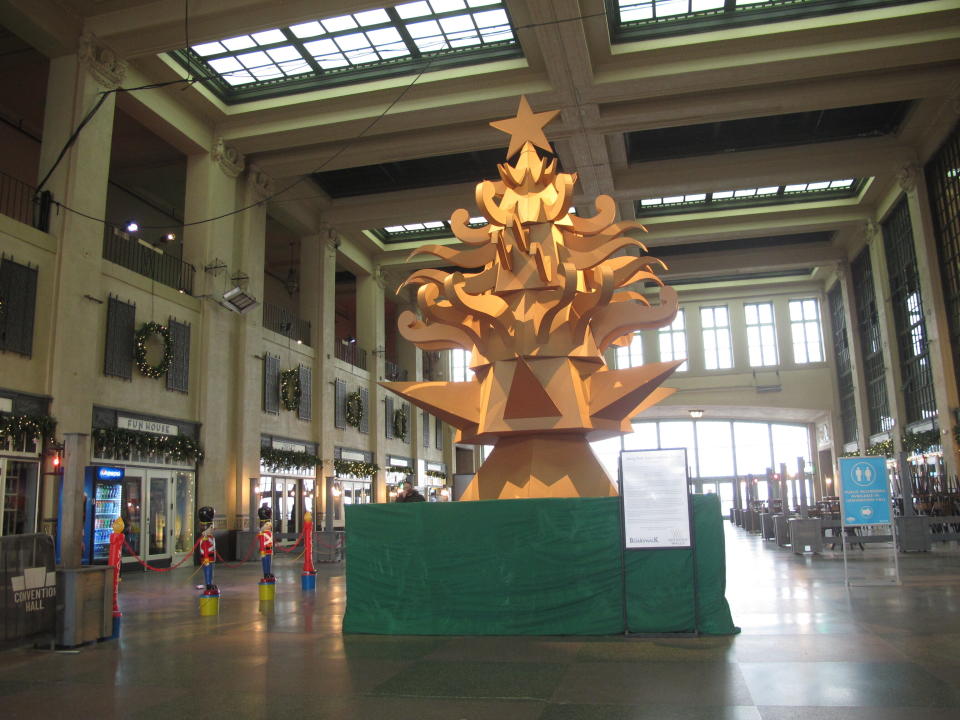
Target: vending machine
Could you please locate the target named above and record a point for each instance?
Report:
(103, 485)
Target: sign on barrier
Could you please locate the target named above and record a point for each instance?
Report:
(28, 609)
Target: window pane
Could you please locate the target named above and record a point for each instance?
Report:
(752, 448)
(608, 453)
(643, 437)
(714, 449)
(680, 434)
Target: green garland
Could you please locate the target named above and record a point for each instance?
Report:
(920, 442)
(355, 468)
(400, 469)
(290, 388)
(30, 425)
(140, 350)
(400, 424)
(117, 443)
(354, 409)
(884, 448)
(276, 460)
(436, 474)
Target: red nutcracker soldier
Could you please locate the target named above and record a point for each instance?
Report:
(266, 550)
(113, 560)
(208, 556)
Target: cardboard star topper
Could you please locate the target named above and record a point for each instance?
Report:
(526, 126)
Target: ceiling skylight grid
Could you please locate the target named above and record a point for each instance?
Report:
(427, 230)
(631, 19)
(354, 46)
(751, 197)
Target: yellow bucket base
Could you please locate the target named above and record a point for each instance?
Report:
(267, 591)
(209, 605)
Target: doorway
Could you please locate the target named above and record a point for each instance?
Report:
(18, 490)
(157, 511)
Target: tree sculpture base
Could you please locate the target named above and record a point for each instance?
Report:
(550, 465)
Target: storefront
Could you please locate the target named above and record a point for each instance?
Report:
(350, 486)
(157, 492)
(433, 484)
(399, 470)
(21, 454)
(288, 492)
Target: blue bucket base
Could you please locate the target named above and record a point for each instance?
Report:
(308, 581)
(116, 626)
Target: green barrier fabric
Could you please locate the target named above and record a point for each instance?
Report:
(499, 567)
(525, 567)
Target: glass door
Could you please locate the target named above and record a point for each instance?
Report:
(18, 491)
(159, 509)
(131, 509)
(181, 528)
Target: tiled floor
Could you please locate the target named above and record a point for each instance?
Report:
(809, 650)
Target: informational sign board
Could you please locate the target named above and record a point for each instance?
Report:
(864, 491)
(656, 508)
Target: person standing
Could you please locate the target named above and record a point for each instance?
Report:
(409, 493)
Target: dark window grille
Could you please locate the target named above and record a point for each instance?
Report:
(868, 329)
(304, 408)
(18, 303)
(365, 414)
(426, 428)
(393, 372)
(280, 320)
(943, 186)
(388, 417)
(271, 384)
(406, 410)
(157, 265)
(118, 350)
(178, 376)
(915, 375)
(841, 347)
(340, 404)
(438, 433)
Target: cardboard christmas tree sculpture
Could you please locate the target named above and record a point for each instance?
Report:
(554, 292)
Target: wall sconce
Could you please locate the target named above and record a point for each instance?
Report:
(168, 237)
(696, 414)
(336, 490)
(131, 226)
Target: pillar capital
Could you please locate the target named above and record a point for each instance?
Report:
(907, 178)
(871, 228)
(230, 160)
(101, 62)
(260, 182)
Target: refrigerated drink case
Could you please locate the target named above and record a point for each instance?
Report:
(103, 485)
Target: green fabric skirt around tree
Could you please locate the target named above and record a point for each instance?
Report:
(527, 567)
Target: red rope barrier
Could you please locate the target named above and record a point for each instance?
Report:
(147, 565)
(292, 547)
(253, 547)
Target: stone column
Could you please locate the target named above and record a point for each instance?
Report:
(371, 337)
(77, 83)
(251, 227)
(318, 268)
(76, 454)
(212, 249)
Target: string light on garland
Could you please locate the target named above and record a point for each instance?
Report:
(400, 424)
(276, 460)
(918, 443)
(118, 444)
(436, 474)
(400, 469)
(290, 389)
(354, 410)
(34, 426)
(355, 468)
(140, 350)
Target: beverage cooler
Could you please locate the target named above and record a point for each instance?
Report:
(103, 486)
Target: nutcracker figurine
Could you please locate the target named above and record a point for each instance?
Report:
(308, 579)
(208, 556)
(266, 550)
(116, 549)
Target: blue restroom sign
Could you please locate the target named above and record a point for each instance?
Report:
(864, 491)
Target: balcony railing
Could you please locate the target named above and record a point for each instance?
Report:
(21, 202)
(282, 321)
(346, 349)
(157, 265)
(393, 372)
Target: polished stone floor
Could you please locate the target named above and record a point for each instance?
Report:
(809, 649)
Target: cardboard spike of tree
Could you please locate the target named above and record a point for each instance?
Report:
(552, 296)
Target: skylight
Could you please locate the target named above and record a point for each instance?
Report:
(635, 18)
(758, 196)
(426, 230)
(402, 39)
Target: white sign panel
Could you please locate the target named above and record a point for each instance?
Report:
(283, 445)
(656, 511)
(148, 426)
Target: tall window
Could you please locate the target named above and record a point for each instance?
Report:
(805, 330)
(460, 365)
(868, 328)
(632, 355)
(673, 341)
(717, 347)
(761, 334)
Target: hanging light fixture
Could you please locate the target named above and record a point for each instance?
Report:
(696, 414)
